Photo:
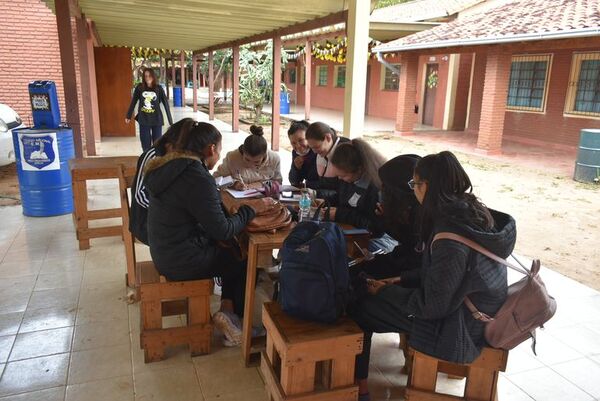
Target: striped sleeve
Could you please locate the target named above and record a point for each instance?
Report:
(141, 195)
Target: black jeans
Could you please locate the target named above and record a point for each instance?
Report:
(225, 265)
(375, 314)
(149, 135)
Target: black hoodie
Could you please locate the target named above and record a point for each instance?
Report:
(185, 217)
(443, 326)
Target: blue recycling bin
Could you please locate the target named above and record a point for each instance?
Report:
(177, 101)
(44, 104)
(42, 158)
(284, 103)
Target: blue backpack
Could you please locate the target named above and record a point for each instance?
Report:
(314, 279)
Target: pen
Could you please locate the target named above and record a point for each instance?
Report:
(241, 179)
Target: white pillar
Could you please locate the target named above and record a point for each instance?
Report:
(357, 31)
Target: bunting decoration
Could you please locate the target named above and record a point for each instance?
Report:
(335, 51)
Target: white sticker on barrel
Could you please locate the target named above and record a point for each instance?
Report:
(39, 152)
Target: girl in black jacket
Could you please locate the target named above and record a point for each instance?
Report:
(304, 161)
(356, 165)
(186, 222)
(434, 314)
(149, 95)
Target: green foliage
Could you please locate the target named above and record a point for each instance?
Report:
(256, 77)
(387, 3)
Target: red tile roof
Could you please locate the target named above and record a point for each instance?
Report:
(421, 10)
(519, 20)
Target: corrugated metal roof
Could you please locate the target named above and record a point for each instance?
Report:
(421, 10)
(196, 24)
(519, 20)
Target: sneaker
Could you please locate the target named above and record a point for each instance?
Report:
(226, 323)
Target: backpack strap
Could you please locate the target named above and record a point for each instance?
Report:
(477, 315)
(475, 246)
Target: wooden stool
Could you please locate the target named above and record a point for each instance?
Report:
(482, 376)
(309, 361)
(158, 298)
(95, 168)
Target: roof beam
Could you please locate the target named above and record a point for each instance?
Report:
(327, 20)
(93, 32)
(74, 9)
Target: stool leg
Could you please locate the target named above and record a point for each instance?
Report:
(199, 314)
(80, 211)
(481, 385)
(152, 319)
(342, 371)
(298, 379)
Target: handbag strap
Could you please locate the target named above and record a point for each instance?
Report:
(475, 246)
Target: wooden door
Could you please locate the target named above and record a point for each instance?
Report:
(431, 76)
(115, 83)
(367, 90)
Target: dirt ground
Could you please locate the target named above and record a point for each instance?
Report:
(558, 219)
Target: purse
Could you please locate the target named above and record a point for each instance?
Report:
(270, 216)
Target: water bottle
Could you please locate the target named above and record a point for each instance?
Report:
(305, 202)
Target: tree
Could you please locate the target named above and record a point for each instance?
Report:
(223, 63)
(387, 3)
(256, 76)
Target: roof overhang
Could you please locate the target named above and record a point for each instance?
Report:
(197, 24)
(386, 31)
(528, 37)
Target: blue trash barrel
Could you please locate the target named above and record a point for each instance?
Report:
(177, 101)
(44, 104)
(587, 166)
(42, 158)
(284, 103)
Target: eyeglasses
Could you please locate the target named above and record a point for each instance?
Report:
(412, 184)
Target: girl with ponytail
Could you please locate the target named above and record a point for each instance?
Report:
(252, 163)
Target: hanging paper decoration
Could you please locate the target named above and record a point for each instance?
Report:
(332, 50)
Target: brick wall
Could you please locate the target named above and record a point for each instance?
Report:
(29, 51)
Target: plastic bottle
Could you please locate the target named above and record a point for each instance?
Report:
(305, 202)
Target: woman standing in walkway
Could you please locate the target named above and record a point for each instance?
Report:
(149, 95)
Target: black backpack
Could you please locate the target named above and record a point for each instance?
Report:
(314, 279)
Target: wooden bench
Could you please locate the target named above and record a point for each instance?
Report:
(96, 168)
(482, 376)
(309, 361)
(159, 298)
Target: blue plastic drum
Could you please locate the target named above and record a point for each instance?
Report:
(42, 158)
(284, 103)
(177, 101)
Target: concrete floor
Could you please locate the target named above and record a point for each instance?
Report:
(67, 333)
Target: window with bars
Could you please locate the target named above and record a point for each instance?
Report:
(528, 82)
(340, 76)
(583, 95)
(390, 80)
(322, 75)
(293, 76)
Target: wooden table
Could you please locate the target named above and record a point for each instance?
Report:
(96, 168)
(260, 250)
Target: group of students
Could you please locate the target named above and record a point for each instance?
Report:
(415, 287)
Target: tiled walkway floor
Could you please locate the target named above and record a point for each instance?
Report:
(67, 332)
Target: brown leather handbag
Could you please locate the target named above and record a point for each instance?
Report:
(271, 215)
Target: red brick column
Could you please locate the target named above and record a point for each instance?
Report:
(493, 105)
(406, 117)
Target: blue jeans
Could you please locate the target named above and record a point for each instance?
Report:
(149, 135)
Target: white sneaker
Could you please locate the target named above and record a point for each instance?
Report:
(227, 326)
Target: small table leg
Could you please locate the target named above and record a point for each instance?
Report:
(249, 301)
(80, 209)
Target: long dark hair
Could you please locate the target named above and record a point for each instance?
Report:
(358, 156)
(195, 136)
(295, 126)
(317, 131)
(152, 74)
(449, 194)
(255, 144)
(171, 136)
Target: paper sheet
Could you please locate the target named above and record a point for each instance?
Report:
(249, 193)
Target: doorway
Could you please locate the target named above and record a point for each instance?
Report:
(431, 81)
